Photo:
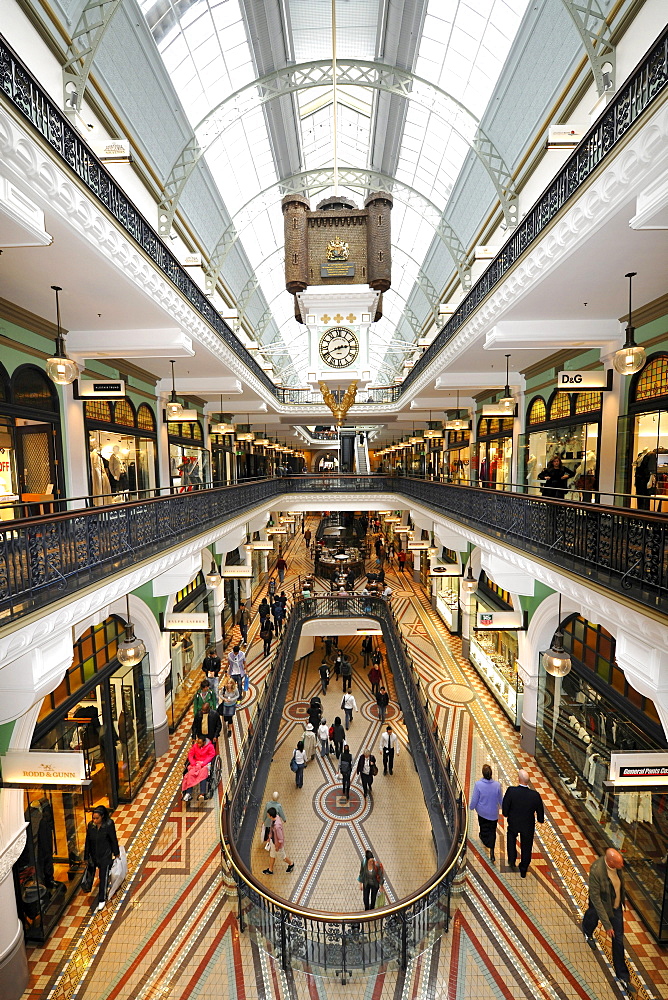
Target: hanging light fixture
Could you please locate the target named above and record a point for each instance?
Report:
(225, 425)
(631, 358)
(61, 369)
(458, 424)
(174, 409)
(131, 651)
(469, 584)
(556, 660)
(508, 400)
(213, 576)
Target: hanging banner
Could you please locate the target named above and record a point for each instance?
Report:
(585, 381)
(192, 622)
(42, 767)
(501, 621)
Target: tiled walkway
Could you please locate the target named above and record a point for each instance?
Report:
(172, 933)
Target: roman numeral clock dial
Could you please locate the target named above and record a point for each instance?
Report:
(339, 347)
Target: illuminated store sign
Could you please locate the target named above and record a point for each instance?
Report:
(42, 767)
(501, 621)
(585, 381)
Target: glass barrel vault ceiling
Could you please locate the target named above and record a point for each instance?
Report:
(209, 57)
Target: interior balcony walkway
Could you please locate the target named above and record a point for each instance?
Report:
(172, 931)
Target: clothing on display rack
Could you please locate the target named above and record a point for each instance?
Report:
(635, 807)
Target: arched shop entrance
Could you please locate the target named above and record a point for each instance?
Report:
(582, 719)
(30, 440)
(122, 448)
(644, 470)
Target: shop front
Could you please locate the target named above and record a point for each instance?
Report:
(102, 708)
(495, 452)
(188, 458)
(445, 579)
(567, 426)
(583, 718)
(191, 628)
(30, 442)
(456, 466)
(643, 436)
(122, 450)
(223, 459)
(494, 652)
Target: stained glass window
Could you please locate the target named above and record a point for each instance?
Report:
(537, 411)
(588, 402)
(653, 380)
(560, 406)
(124, 413)
(33, 389)
(97, 409)
(145, 418)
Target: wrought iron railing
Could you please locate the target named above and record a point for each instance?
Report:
(631, 101)
(45, 558)
(374, 394)
(335, 942)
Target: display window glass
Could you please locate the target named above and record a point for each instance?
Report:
(495, 452)
(122, 450)
(582, 719)
(648, 401)
(561, 428)
(188, 648)
(494, 653)
(457, 458)
(188, 459)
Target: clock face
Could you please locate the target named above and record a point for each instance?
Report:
(339, 347)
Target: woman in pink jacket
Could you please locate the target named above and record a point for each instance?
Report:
(200, 756)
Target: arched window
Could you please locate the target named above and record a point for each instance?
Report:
(197, 431)
(124, 413)
(588, 402)
(652, 381)
(537, 411)
(483, 425)
(145, 418)
(4, 385)
(33, 389)
(98, 409)
(560, 406)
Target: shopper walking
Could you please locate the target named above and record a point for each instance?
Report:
(367, 641)
(307, 538)
(299, 757)
(367, 770)
(266, 633)
(338, 736)
(271, 589)
(607, 895)
(521, 806)
(346, 770)
(242, 622)
(401, 559)
(309, 742)
(375, 678)
(324, 676)
(389, 744)
(281, 566)
(382, 701)
(100, 848)
(236, 667)
(371, 878)
(204, 696)
(346, 673)
(349, 705)
(486, 801)
(206, 723)
(278, 614)
(273, 803)
(230, 697)
(323, 736)
(211, 669)
(276, 843)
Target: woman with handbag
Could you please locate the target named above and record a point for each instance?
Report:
(370, 878)
(101, 845)
(338, 736)
(229, 702)
(367, 770)
(298, 763)
(346, 770)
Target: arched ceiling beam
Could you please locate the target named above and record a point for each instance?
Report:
(86, 37)
(354, 178)
(594, 30)
(350, 73)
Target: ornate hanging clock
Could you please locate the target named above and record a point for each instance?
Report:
(339, 347)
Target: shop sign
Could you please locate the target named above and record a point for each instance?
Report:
(94, 389)
(6, 477)
(501, 621)
(585, 381)
(638, 769)
(236, 572)
(445, 569)
(194, 622)
(117, 150)
(261, 547)
(42, 767)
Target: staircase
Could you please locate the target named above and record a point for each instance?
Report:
(361, 456)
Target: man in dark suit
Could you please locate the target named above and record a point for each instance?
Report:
(521, 806)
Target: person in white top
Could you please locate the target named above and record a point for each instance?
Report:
(349, 705)
(309, 742)
(236, 660)
(389, 744)
(387, 593)
(323, 736)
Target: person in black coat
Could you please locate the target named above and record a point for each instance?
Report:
(555, 478)
(101, 846)
(206, 723)
(521, 806)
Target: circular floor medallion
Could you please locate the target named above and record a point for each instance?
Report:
(296, 711)
(334, 805)
(457, 693)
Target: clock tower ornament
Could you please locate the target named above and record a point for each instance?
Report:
(337, 266)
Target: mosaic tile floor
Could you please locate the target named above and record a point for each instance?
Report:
(171, 932)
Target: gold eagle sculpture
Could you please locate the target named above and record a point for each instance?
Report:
(339, 410)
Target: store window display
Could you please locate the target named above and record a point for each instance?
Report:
(188, 648)
(566, 427)
(122, 450)
(188, 459)
(495, 452)
(494, 653)
(457, 457)
(583, 718)
(648, 406)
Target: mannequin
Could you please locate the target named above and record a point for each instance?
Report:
(100, 479)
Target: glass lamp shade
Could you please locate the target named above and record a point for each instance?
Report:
(62, 370)
(629, 360)
(132, 650)
(507, 403)
(556, 660)
(469, 584)
(213, 577)
(174, 410)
